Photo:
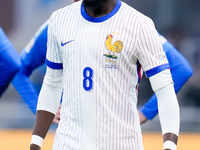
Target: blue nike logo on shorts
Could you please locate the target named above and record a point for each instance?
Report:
(63, 44)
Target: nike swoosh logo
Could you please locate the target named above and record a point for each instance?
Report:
(63, 44)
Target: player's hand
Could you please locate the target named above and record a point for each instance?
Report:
(142, 117)
(56, 119)
(34, 147)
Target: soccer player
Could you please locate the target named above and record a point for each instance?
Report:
(97, 50)
(9, 61)
(181, 71)
(36, 48)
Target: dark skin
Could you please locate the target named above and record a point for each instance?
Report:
(96, 9)
(170, 137)
(166, 137)
(42, 124)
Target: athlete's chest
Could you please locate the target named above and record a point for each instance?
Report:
(95, 40)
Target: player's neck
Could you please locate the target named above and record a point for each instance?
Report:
(98, 8)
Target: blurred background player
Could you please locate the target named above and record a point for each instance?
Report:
(178, 66)
(32, 56)
(9, 61)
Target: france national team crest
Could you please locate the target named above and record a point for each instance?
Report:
(113, 49)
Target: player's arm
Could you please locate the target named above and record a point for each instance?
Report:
(25, 88)
(181, 71)
(48, 103)
(32, 56)
(9, 62)
(155, 64)
(51, 91)
(168, 107)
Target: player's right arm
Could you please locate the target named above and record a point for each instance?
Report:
(48, 103)
(51, 91)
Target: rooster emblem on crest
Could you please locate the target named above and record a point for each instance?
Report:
(112, 48)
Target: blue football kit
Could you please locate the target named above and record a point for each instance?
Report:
(32, 56)
(9, 61)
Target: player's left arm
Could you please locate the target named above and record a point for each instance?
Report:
(168, 107)
(155, 64)
(181, 71)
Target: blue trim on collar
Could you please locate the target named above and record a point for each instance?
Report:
(53, 65)
(156, 70)
(101, 19)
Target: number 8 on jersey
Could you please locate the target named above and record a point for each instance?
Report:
(87, 81)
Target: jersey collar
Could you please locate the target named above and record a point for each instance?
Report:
(100, 19)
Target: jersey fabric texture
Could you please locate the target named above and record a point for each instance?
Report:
(32, 56)
(37, 47)
(102, 61)
(9, 61)
(181, 71)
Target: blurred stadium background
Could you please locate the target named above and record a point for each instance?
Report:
(177, 20)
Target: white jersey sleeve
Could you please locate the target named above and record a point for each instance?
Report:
(54, 55)
(51, 91)
(150, 51)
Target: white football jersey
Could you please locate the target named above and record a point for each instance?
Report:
(102, 61)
